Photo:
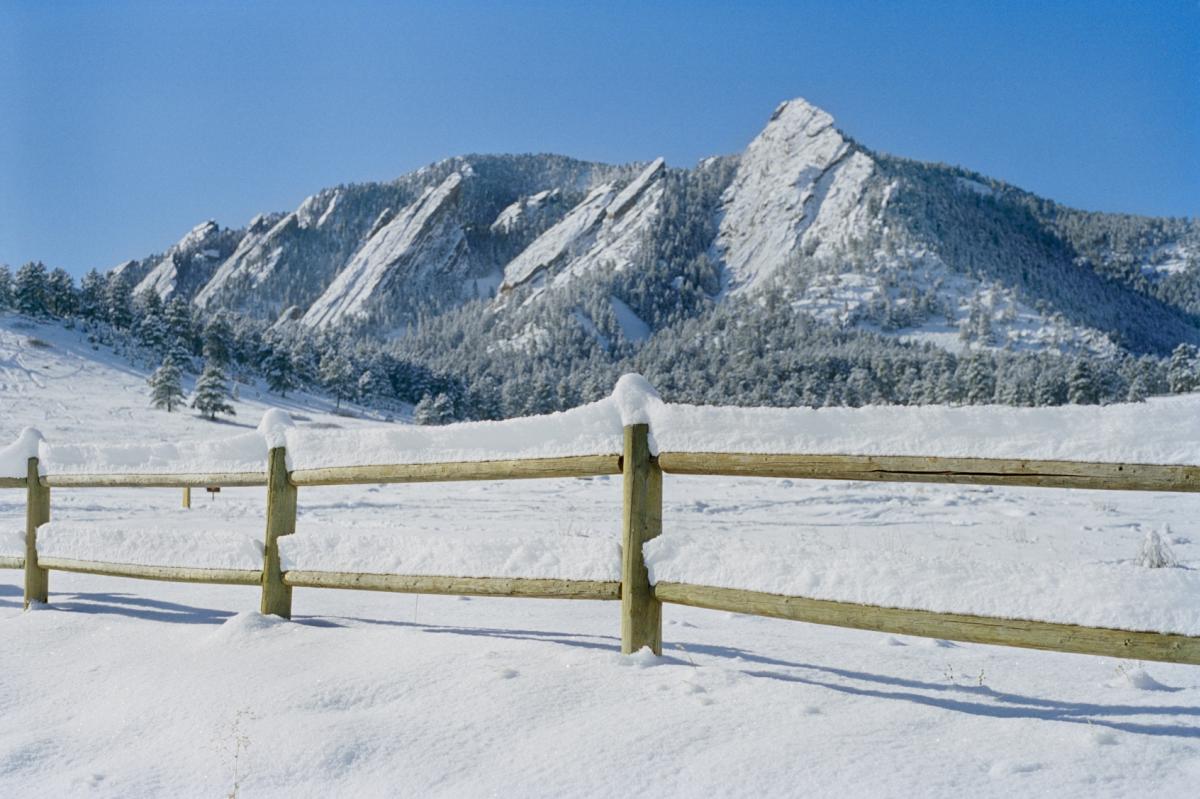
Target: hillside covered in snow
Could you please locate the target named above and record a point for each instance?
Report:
(128, 688)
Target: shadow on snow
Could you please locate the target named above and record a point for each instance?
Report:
(974, 700)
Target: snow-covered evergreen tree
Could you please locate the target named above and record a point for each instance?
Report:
(1138, 391)
(1081, 387)
(1156, 552)
(31, 289)
(61, 297)
(337, 375)
(118, 301)
(1183, 373)
(6, 287)
(980, 380)
(433, 410)
(277, 367)
(166, 390)
(212, 392)
(91, 296)
(177, 318)
(423, 410)
(443, 408)
(151, 333)
(218, 339)
(371, 386)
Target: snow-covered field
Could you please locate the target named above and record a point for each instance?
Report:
(128, 688)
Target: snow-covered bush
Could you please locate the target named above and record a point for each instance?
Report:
(1156, 552)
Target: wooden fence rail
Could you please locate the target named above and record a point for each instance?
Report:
(641, 520)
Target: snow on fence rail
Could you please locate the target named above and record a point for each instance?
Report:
(635, 434)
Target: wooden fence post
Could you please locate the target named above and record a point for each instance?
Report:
(281, 520)
(187, 496)
(37, 512)
(641, 613)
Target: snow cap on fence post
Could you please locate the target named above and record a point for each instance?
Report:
(273, 427)
(634, 397)
(14, 458)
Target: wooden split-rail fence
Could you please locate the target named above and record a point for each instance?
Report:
(641, 602)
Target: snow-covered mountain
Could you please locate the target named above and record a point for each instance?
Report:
(853, 238)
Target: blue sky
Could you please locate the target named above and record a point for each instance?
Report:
(123, 124)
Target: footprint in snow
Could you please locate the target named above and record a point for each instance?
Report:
(508, 674)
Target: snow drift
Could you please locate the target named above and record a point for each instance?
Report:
(1162, 431)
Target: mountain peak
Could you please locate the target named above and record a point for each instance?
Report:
(800, 113)
(792, 167)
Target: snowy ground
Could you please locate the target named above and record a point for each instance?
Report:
(128, 688)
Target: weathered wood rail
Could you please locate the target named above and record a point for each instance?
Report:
(641, 520)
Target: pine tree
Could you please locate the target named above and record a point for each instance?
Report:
(980, 380)
(337, 374)
(218, 339)
(61, 298)
(91, 295)
(443, 409)
(31, 289)
(151, 333)
(432, 410)
(177, 317)
(1081, 386)
(423, 413)
(6, 287)
(1137, 390)
(371, 385)
(1049, 388)
(1182, 373)
(277, 367)
(165, 388)
(212, 393)
(118, 301)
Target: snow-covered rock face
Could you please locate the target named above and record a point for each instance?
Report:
(423, 238)
(253, 260)
(604, 229)
(269, 253)
(798, 185)
(525, 211)
(190, 263)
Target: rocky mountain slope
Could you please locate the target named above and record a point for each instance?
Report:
(856, 239)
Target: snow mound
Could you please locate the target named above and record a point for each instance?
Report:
(1139, 679)
(594, 429)
(1115, 595)
(1163, 431)
(273, 427)
(388, 551)
(244, 627)
(246, 452)
(14, 459)
(179, 540)
(12, 541)
(634, 397)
